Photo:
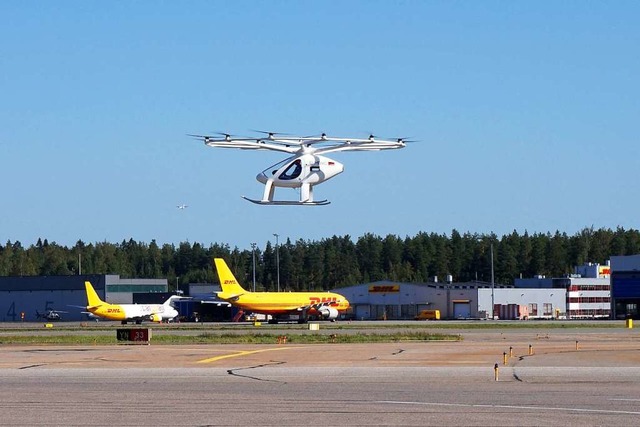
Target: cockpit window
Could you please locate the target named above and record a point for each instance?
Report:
(293, 171)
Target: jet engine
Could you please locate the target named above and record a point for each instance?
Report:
(155, 318)
(329, 313)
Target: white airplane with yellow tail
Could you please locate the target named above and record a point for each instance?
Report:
(129, 312)
(280, 305)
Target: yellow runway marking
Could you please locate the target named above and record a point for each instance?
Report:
(242, 353)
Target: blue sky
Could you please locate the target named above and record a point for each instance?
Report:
(526, 115)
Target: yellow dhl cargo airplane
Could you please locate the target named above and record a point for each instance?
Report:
(320, 305)
(129, 312)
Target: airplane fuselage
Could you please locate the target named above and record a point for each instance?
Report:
(325, 305)
(128, 312)
(154, 312)
(286, 302)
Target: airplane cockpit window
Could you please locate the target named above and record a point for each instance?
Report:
(293, 171)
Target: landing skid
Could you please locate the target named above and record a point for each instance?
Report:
(287, 202)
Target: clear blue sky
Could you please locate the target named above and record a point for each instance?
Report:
(527, 115)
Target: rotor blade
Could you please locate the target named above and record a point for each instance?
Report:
(227, 134)
(322, 136)
(269, 133)
(404, 139)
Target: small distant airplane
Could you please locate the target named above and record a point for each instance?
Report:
(50, 315)
(183, 206)
(129, 312)
(280, 305)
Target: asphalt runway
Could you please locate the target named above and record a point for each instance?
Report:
(555, 382)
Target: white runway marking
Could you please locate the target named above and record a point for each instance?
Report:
(540, 408)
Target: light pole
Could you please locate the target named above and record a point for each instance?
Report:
(277, 260)
(492, 285)
(253, 256)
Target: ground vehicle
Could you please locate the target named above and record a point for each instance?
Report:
(428, 315)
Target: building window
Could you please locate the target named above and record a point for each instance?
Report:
(533, 309)
(547, 309)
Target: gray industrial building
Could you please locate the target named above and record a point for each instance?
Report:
(586, 294)
(23, 297)
(465, 300)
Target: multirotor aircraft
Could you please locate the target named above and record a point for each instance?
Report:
(305, 167)
(50, 315)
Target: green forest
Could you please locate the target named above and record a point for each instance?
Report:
(331, 262)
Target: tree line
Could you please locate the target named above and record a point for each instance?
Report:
(331, 262)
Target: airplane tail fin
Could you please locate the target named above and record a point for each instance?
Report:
(228, 282)
(93, 300)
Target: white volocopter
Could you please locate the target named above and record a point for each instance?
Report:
(306, 167)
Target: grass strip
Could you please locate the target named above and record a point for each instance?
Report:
(338, 326)
(223, 338)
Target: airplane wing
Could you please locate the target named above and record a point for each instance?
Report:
(218, 303)
(207, 299)
(90, 315)
(229, 296)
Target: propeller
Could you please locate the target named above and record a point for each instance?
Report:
(206, 138)
(404, 140)
(227, 136)
(322, 136)
(270, 134)
(400, 140)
